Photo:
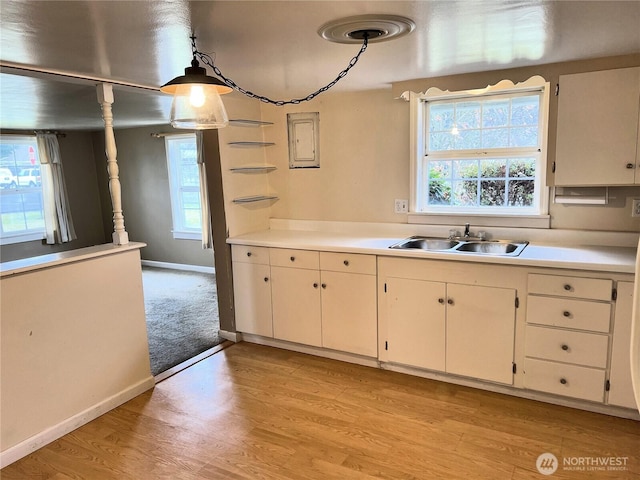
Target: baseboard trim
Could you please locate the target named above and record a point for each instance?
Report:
(234, 337)
(178, 266)
(31, 444)
(310, 350)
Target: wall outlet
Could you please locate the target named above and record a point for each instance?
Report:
(635, 207)
(401, 206)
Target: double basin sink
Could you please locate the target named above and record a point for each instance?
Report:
(508, 248)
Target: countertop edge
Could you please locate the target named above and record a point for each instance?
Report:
(15, 267)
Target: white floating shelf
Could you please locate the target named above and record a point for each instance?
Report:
(253, 169)
(251, 144)
(241, 122)
(254, 198)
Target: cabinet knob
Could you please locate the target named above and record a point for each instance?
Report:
(450, 301)
(346, 263)
(567, 287)
(315, 285)
(566, 313)
(324, 285)
(266, 279)
(441, 300)
(248, 254)
(293, 259)
(565, 347)
(630, 165)
(563, 381)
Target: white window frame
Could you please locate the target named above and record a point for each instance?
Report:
(490, 216)
(180, 231)
(27, 235)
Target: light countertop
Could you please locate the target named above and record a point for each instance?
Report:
(595, 258)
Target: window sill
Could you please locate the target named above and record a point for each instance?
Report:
(481, 220)
(187, 236)
(22, 238)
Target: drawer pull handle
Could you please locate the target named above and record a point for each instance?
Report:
(266, 279)
(566, 313)
(567, 287)
(450, 301)
(565, 347)
(346, 263)
(563, 381)
(630, 165)
(248, 254)
(315, 285)
(324, 285)
(441, 300)
(293, 259)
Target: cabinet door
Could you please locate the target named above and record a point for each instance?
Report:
(621, 392)
(252, 296)
(295, 294)
(598, 128)
(416, 323)
(480, 332)
(349, 319)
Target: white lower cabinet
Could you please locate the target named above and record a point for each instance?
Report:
(252, 290)
(415, 314)
(462, 329)
(480, 332)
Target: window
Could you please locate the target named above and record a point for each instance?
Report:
(21, 199)
(184, 183)
(481, 152)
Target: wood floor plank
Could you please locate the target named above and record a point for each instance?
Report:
(254, 412)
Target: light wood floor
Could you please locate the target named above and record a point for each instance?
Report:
(253, 412)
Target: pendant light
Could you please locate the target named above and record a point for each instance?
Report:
(196, 99)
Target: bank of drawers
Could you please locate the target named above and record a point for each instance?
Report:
(567, 335)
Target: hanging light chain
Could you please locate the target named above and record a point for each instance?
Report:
(294, 101)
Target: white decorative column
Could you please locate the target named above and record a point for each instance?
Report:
(105, 99)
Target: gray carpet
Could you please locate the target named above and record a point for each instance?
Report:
(182, 315)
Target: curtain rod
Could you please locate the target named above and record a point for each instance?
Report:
(170, 134)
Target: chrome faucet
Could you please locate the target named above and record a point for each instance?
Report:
(467, 233)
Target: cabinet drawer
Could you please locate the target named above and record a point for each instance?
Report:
(562, 379)
(246, 254)
(284, 257)
(348, 262)
(572, 287)
(588, 349)
(569, 313)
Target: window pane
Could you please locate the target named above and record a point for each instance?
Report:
(468, 115)
(496, 168)
(189, 173)
(495, 113)
(191, 207)
(466, 168)
(467, 139)
(465, 193)
(442, 141)
(21, 206)
(522, 167)
(495, 138)
(441, 117)
(521, 193)
(524, 137)
(525, 110)
(492, 193)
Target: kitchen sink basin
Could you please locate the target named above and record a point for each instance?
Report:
(483, 247)
(493, 247)
(426, 243)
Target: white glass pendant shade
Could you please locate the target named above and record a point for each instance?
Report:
(198, 106)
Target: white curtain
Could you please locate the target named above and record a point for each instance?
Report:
(207, 240)
(57, 216)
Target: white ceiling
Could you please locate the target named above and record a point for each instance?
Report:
(273, 48)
